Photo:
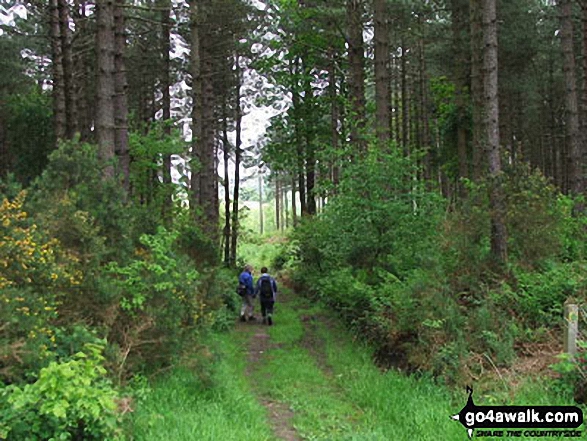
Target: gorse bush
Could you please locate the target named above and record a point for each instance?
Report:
(82, 263)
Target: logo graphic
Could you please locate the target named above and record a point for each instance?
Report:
(518, 417)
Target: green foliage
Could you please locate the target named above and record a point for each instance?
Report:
(70, 400)
(30, 139)
(160, 299)
(381, 217)
(418, 281)
(539, 296)
(79, 206)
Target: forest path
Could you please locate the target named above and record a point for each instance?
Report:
(288, 371)
(259, 344)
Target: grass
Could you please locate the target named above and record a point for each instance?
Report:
(183, 407)
(324, 376)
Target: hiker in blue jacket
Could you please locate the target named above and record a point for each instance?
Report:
(247, 292)
(267, 290)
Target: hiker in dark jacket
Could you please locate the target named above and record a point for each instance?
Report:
(245, 281)
(267, 291)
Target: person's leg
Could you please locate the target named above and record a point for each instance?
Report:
(244, 308)
(250, 307)
(264, 311)
(269, 310)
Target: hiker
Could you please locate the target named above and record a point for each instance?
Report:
(247, 291)
(267, 290)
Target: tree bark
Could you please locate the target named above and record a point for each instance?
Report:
(120, 95)
(59, 109)
(460, 71)
(105, 125)
(260, 182)
(476, 87)
(575, 147)
(166, 100)
(237, 160)
(357, 73)
(491, 108)
(67, 60)
(226, 153)
(277, 204)
(293, 201)
(404, 100)
(382, 90)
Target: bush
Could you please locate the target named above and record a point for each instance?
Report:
(161, 303)
(70, 400)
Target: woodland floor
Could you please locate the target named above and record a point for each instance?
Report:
(307, 378)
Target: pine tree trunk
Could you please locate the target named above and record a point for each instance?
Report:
(334, 117)
(277, 204)
(575, 147)
(293, 201)
(67, 60)
(82, 66)
(166, 99)
(260, 187)
(226, 157)
(476, 87)
(491, 108)
(120, 97)
(404, 100)
(357, 73)
(209, 175)
(382, 91)
(105, 126)
(460, 67)
(238, 154)
(59, 109)
(309, 143)
(299, 136)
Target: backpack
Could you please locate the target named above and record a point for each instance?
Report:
(241, 290)
(266, 289)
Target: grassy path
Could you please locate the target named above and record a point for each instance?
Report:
(302, 379)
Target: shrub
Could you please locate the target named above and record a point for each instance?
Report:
(161, 302)
(70, 400)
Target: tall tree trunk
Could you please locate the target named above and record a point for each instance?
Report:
(196, 71)
(460, 71)
(575, 152)
(404, 99)
(203, 147)
(334, 116)
(490, 68)
(226, 152)
(260, 185)
(299, 136)
(166, 98)
(277, 204)
(59, 109)
(238, 154)
(424, 123)
(396, 103)
(285, 206)
(293, 201)
(357, 73)
(476, 31)
(69, 91)
(105, 125)
(120, 99)
(82, 67)
(309, 142)
(382, 90)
